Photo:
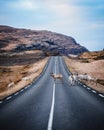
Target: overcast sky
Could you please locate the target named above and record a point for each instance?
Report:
(81, 19)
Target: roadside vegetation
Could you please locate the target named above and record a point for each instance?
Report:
(91, 63)
(19, 69)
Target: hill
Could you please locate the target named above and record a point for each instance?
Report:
(14, 39)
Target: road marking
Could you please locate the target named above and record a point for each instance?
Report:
(101, 95)
(50, 121)
(21, 90)
(8, 97)
(28, 86)
(55, 66)
(88, 88)
(16, 93)
(84, 86)
(1, 101)
(93, 91)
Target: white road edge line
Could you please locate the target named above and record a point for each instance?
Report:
(88, 88)
(8, 97)
(50, 121)
(16, 93)
(101, 95)
(93, 91)
(21, 90)
(1, 101)
(26, 87)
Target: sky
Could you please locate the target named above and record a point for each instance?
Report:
(81, 19)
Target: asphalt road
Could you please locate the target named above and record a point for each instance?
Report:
(53, 105)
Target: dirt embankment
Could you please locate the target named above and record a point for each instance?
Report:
(94, 68)
(19, 70)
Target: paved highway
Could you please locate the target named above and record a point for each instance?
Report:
(53, 105)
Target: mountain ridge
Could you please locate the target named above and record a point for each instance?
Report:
(16, 39)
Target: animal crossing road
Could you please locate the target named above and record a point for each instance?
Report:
(53, 105)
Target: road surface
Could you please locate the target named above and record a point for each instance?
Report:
(53, 105)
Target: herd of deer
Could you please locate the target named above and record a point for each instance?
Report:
(74, 78)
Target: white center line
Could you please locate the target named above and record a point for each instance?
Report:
(50, 121)
(55, 66)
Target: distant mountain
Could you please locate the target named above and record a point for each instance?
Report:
(14, 39)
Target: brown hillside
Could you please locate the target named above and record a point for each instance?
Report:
(25, 39)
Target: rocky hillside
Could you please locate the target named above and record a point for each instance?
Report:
(13, 39)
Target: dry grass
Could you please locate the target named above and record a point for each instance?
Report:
(94, 69)
(30, 68)
(91, 56)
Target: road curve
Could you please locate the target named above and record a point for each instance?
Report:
(53, 105)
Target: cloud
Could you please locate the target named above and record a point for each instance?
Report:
(23, 4)
(82, 20)
(63, 10)
(64, 13)
(96, 25)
